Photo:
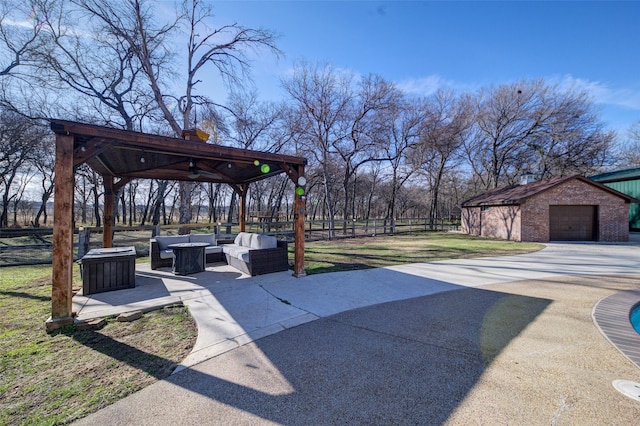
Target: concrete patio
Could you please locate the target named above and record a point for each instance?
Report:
(232, 309)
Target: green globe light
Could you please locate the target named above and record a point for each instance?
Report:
(300, 191)
(265, 168)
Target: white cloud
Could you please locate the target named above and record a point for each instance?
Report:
(428, 85)
(424, 86)
(602, 93)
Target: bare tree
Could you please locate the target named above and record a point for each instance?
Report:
(251, 121)
(631, 155)
(95, 63)
(374, 96)
(321, 99)
(20, 138)
(21, 38)
(250, 125)
(446, 121)
(531, 124)
(45, 163)
(626, 149)
(574, 140)
(398, 133)
(224, 48)
(506, 118)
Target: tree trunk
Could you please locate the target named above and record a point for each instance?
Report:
(96, 207)
(4, 219)
(120, 196)
(213, 201)
(43, 206)
(345, 208)
(433, 211)
(185, 190)
(147, 204)
(328, 201)
(231, 207)
(159, 204)
(6, 199)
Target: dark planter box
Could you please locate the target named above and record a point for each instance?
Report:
(108, 269)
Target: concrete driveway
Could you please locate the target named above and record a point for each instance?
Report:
(476, 341)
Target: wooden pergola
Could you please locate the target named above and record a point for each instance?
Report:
(120, 156)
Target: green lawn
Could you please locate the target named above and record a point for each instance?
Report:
(375, 252)
(56, 378)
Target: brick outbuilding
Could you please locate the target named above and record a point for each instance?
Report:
(572, 208)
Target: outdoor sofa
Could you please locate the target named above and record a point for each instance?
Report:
(253, 254)
(162, 256)
(257, 254)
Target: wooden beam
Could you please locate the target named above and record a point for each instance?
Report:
(107, 221)
(62, 261)
(169, 144)
(299, 214)
(122, 182)
(291, 172)
(85, 152)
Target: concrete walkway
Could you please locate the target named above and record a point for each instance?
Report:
(233, 310)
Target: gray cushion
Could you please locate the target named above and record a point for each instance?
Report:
(212, 249)
(164, 241)
(245, 240)
(203, 238)
(259, 241)
(166, 254)
(238, 252)
(228, 248)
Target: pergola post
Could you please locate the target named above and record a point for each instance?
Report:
(107, 220)
(299, 215)
(62, 260)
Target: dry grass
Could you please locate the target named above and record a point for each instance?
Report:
(56, 378)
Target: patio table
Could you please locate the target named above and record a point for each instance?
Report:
(188, 258)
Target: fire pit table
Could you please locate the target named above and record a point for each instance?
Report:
(188, 258)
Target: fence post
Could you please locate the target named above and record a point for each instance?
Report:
(83, 241)
(374, 227)
(353, 228)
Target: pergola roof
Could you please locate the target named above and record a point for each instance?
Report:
(127, 154)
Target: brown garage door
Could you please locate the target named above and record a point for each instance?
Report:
(573, 223)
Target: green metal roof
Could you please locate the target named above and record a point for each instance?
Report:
(617, 176)
(627, 182)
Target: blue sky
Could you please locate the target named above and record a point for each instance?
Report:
(424, 45)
